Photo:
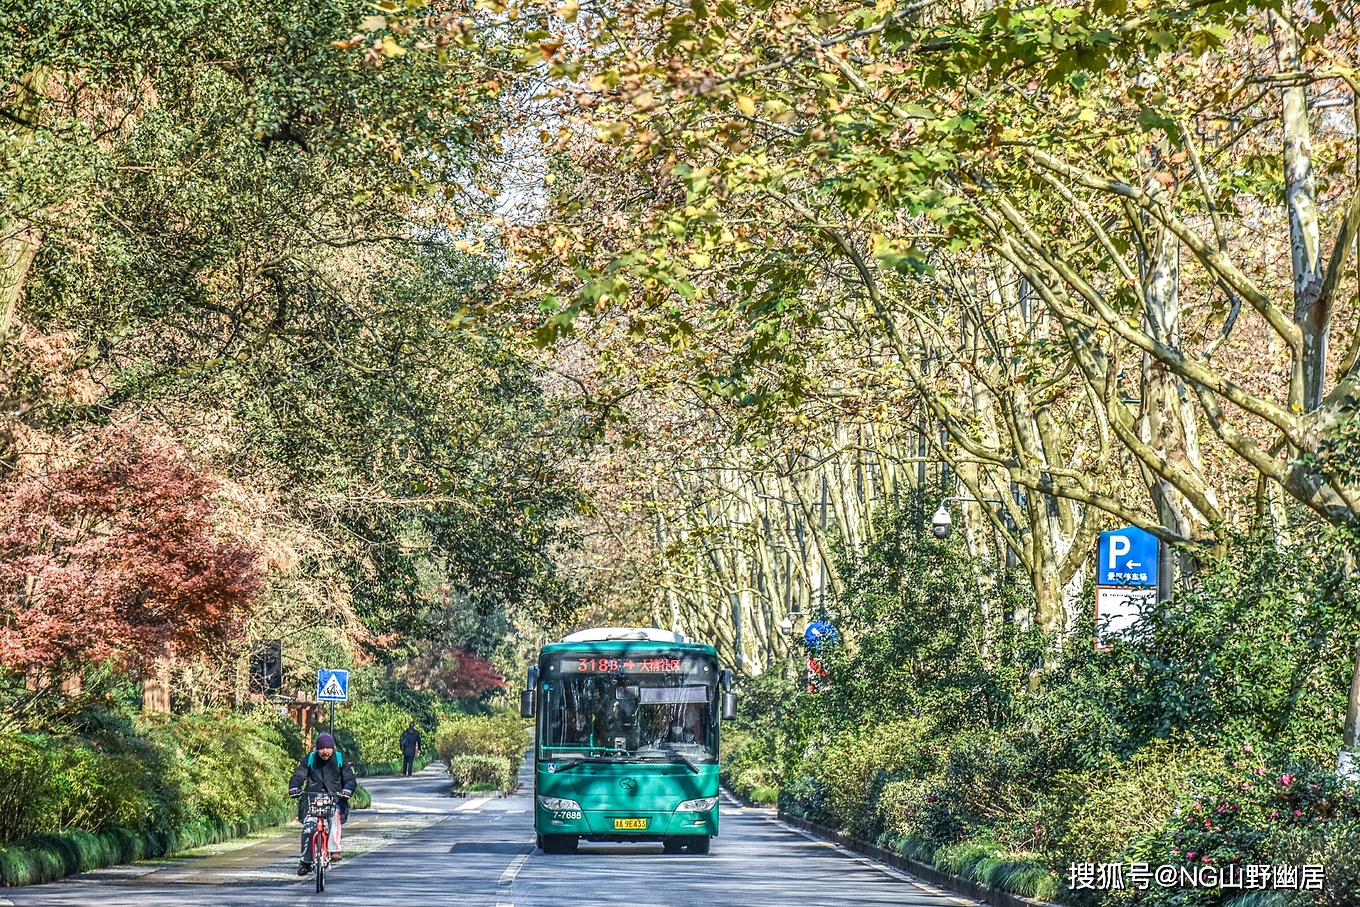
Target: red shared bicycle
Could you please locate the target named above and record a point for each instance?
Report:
(321, 807)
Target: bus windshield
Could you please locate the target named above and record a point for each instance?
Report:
(654, 707)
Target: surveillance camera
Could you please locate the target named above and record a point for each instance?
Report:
(940, 523)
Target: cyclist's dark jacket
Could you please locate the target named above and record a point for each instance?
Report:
(316, 776)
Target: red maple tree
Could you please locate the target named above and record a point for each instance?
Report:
(113, 558)
(453, 673)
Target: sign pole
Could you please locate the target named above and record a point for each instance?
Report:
(332, 719)
(1164, 568)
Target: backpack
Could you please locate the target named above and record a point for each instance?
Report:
(339, 759)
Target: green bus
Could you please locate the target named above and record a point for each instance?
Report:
(626, 739)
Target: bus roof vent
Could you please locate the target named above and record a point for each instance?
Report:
(641, 634)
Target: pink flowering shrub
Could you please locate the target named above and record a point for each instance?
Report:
(1262, 812)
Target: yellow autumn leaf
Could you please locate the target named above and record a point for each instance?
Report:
(391, 48)
(746, 105)
(373, 23)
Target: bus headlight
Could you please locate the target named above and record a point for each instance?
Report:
(701, 805)
(557, 803)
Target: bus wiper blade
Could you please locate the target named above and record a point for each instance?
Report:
(572, 763)
(689, 763)
(672, 756)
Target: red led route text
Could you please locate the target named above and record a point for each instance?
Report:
(633, 665)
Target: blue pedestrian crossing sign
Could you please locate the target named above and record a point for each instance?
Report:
(1128, 557)
(332, 685)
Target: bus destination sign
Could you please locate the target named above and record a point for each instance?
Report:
(641, 665)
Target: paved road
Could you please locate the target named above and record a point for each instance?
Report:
(419, 847)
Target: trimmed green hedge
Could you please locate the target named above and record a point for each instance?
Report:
(499, 735)
(483, 751)
(45, 858)
(483, 772)
(117, 786)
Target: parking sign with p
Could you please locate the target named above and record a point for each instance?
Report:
(1128, 557)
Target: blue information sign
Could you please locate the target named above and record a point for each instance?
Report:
(818, 634)
(1128, 557)
(332, 685)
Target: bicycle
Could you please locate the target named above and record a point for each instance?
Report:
(321, 807)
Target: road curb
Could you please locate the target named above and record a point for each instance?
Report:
(925, 871)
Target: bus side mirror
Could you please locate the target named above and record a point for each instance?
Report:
(729, 705)
(528, 699)
(725, 678)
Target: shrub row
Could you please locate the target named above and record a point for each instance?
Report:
(487, 773)
(123, 787)
(954, 735)
(977, 804)
(45, 858)
(153, 773)
(483, 750)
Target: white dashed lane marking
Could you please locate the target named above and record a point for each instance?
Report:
(508, 877)
(472, 805)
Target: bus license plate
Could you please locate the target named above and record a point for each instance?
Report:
(630, 824)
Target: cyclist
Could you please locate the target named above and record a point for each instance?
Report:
(323, 771)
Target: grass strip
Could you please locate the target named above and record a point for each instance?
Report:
(988, 864)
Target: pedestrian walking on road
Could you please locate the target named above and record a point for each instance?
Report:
(323, 771)
(410, 748)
